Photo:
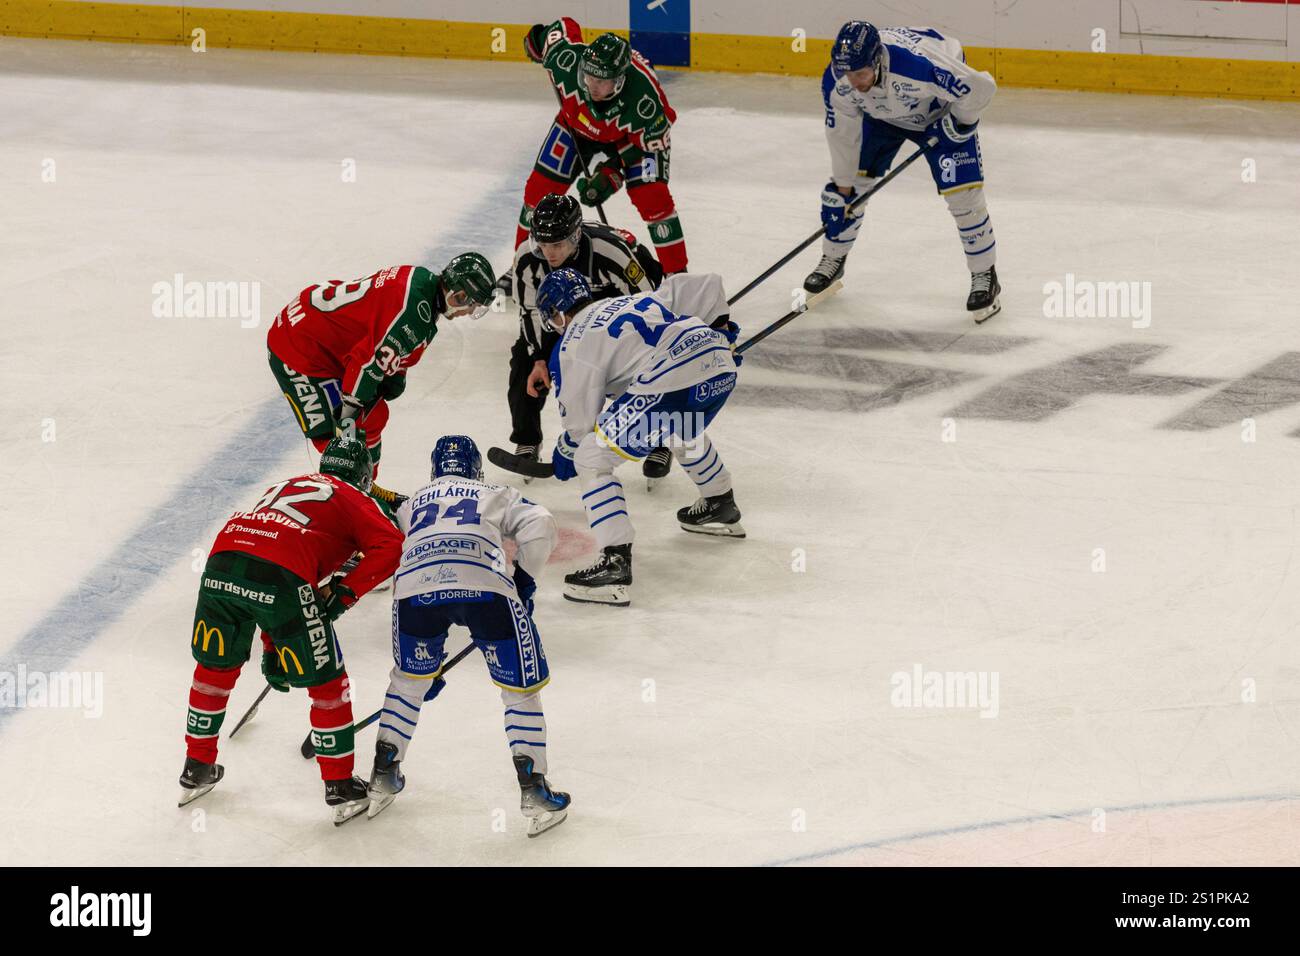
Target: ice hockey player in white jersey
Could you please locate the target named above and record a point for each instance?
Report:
(882, 88)
(669, 373)
(454, 571)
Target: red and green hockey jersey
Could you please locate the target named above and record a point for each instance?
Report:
(358, 332)
(641, 113)
(313, 523)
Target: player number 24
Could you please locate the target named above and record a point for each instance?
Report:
(466, 512)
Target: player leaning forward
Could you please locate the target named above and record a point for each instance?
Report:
(453, 571)
(887, 86)
(263, 572)
(610, 102)
(340, 351)
(670, 373)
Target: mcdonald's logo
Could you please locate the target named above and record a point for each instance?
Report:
(285, 664)
(208, 633)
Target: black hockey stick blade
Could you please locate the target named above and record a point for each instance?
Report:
(519, 465)
(308, 749)
(252, 711)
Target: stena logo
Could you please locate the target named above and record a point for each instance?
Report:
(74, 909)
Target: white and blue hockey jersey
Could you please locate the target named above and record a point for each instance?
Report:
(921, 72)
(644, 344)
(455, 532)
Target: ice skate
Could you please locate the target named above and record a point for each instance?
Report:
(983, 302)
(545, 808)
(717, 515)
(386, 779)
(655, 467)
(827, 271)
(198, 778)
(347, 798)
(608, 581)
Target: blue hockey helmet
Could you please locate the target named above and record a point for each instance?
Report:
(857, 45)
(457, 455)
(564, 290)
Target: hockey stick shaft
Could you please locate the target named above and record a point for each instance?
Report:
(308, 749)
(856, 203)
(582, 160)
(789, 317)
(248, 714)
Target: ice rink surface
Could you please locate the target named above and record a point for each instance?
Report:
(1077, 508)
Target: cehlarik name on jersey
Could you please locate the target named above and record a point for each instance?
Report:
(261, 597)
(316, 631)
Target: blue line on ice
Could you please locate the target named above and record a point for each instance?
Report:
(211, 491)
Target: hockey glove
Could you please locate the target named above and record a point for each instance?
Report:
(603, 183)
(338, 598)
(562, 458)
(835, 211)
(274, 672)
(394, 386)
(394, 499)
(953, 130)
(526, 587)
(731, 332)
(535, 42)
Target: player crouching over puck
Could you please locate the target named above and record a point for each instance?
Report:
(670, 374)
(260, 573)
(453, 571)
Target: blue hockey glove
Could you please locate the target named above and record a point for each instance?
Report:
(526, 587)
(835, 211)
(562, 458)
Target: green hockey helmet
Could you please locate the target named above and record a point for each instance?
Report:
(603, 72)
(346, 457)
(469, 285)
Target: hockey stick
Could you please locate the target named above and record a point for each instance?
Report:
(791, 315)
(856, 203)
(531, 468)
(308, 749)
(252, 711)
(582, 160)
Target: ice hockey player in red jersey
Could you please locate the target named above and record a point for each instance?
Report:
(263, 572)
(340, 351)
(611, 103)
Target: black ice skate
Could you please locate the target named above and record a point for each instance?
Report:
(347, 798)
(827, 271)
(530, 452)
(656, 466)
(983, 301)
(386, 779)
(608, 581)
(544, 807)
(198, 778)
(717, 515)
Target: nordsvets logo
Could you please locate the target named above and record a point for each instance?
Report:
(77, 909)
